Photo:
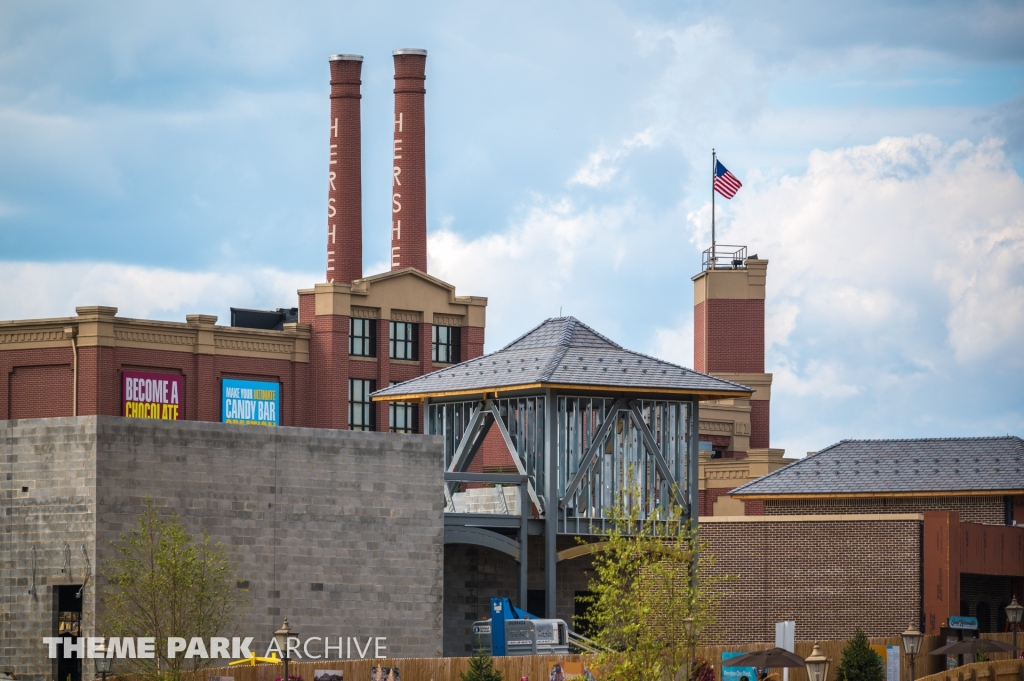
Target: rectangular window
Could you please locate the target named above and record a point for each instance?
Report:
(361, 413)
(444, 346)
(403, 340)
(362, 337)
(403, 417)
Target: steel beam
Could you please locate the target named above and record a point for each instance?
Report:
(477, 536)
(659, 460)
(552, 511)
(465, 447)
(524, 542)
(496, 415)
(591, 456)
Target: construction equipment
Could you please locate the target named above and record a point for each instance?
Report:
(513, 631)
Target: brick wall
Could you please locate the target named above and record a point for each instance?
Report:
(988, 510)
(48, 389)
(991, 592)
(830, 577)
(760, 430)
(357, 513)
(42, 390)
(700, 362)
(734, 336)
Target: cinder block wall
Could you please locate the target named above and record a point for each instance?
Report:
(340, 531)
(48, 473)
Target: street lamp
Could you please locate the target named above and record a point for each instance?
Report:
(281, 636)
(104, 664)
(689, 626)
(817, 665)
(1013, 612)
(912, 646)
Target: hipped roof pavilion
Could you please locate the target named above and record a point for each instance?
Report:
(623, 421)
(564, 354)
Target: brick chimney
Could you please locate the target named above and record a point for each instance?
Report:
(409, 172)
(345, 188)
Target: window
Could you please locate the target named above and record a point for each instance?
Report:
(403, 417)
(403, 340)
(362, 337)
(444, 346)
(360, 408)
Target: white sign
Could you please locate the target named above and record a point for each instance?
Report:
(892, 663)
(785, 638)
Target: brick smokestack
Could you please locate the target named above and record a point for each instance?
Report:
(409, 174)
(345, 186)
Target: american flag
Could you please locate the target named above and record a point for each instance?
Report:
(726, 183)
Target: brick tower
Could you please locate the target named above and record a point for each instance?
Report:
(344, 177)
(728, 342)
(409, 172)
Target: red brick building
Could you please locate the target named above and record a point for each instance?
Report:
(344, 339)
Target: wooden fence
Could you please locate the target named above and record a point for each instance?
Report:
(1003, 670)
(536, 668)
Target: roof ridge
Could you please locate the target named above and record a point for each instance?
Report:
(930, 439)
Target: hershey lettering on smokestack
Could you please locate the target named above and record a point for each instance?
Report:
(409, 175)
(345, 188)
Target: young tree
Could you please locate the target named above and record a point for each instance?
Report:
(649, 576)
(481, 668)
(859, 662)
(163, 583)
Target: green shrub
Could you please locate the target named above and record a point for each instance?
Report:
(859, 662)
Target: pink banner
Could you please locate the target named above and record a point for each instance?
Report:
(151, 396)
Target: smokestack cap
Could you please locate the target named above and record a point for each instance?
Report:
(345, 57)
(410, 50)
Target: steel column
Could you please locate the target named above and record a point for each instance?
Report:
(693, 482)
(551, 506)
(524, 540)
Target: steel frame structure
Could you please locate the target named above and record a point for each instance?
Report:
(568, 475)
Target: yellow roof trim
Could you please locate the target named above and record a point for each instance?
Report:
(419, 397)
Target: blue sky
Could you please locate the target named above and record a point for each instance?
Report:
(170, 158)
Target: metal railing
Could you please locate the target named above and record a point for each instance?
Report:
(725, 257)
(581, 644)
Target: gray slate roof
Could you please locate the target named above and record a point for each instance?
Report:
(563, 351)
(895, 466)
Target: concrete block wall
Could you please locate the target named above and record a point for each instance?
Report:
(340, 531)
(48, 473)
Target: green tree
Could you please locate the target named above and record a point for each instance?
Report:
(650, 574)
(481, 668)
(859, 662)
(164, 583)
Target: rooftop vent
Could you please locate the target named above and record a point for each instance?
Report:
(269, 320)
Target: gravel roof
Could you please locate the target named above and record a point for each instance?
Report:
(895, 466)
(564, 351)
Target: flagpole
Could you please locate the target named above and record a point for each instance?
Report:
(714, 167)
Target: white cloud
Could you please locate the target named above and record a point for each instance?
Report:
(31, 290)
(874, 241)
(675, 344)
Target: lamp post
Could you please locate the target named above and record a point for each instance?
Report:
(104, 664)
(689, 626)
(1013, 612)
(912, 646)
(281, 636)
(817, 665)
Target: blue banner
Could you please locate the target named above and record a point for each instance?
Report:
(737, 673)
(252, 403)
